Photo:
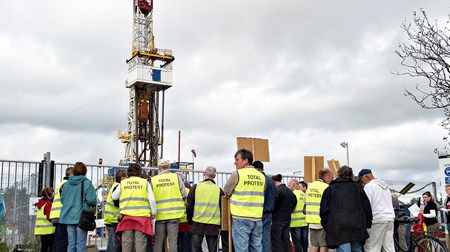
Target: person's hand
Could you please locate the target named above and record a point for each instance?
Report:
(152, 216)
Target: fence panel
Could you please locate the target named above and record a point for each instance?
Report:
(21, 180)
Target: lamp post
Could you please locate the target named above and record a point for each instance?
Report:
(345, 145)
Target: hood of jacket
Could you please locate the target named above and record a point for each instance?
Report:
(42, 202)
(341, 180)
(76, 180)
(380, 183)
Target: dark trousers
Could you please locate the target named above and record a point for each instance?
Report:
(184, 242)
(149, 244)
(60, 241)
(224, 239)
(211, 240)
(47, 242)
(280, 236)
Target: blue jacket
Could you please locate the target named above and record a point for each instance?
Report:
(71, 199)
(269, 195)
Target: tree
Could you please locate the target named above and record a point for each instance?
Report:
(426, 55)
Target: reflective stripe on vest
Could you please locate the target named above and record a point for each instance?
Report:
(42, 225)
(247, 200)
(313, 197)
(111, 211)
(57, 205)
(207, 203)
(298, 218)
(184, 218)
(134, 197)
(169, 201)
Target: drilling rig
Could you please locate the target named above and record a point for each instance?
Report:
(149, 76)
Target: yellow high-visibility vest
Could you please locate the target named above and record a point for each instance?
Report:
(169, 202)
(247, 200)
(313, 197)
(57, 205)
(111, 211)
(298, 218)
(207, 203)
(42, 225)
(133, 200)
(184, 218)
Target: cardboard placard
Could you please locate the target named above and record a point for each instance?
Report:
(258, 146)
(312, 166)
(333, 165)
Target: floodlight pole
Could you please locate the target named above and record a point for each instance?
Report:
(345, 145)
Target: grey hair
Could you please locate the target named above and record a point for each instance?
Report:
(69, 171)
(295, 181)
(210, 171)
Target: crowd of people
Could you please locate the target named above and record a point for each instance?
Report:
(164, 213)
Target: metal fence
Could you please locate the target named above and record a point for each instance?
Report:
(21, 181)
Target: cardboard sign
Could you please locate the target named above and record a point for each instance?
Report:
(258, 146)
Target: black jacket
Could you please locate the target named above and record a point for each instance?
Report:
(285, 203)
(345, 213)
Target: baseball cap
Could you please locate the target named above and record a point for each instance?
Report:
(362, 173)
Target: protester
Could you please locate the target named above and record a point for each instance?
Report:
(304, 231)
(43, 226)
(60, 241)
(269, 201)
(303, 186)
(137, 208)
(312, 202)
(203, 210)
(246, 185)
(71, 199)
(345, 213)
(111, 215)
(169, 194)
(430, 213)
(381, 234)
(285, 203)
(298, 223)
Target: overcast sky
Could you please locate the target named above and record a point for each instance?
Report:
(306, 75)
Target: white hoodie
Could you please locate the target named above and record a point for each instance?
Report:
(381, 201)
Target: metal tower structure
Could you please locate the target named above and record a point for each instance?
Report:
(149, 75)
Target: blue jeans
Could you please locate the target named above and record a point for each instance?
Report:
(350, 247)
(296, 239)
(113, 243)
(77, 239)
(247, 235)
(304, 237)
(267, 223)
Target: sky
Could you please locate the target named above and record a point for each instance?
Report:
(306, 75)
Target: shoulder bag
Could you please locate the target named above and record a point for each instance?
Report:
(87, 218)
